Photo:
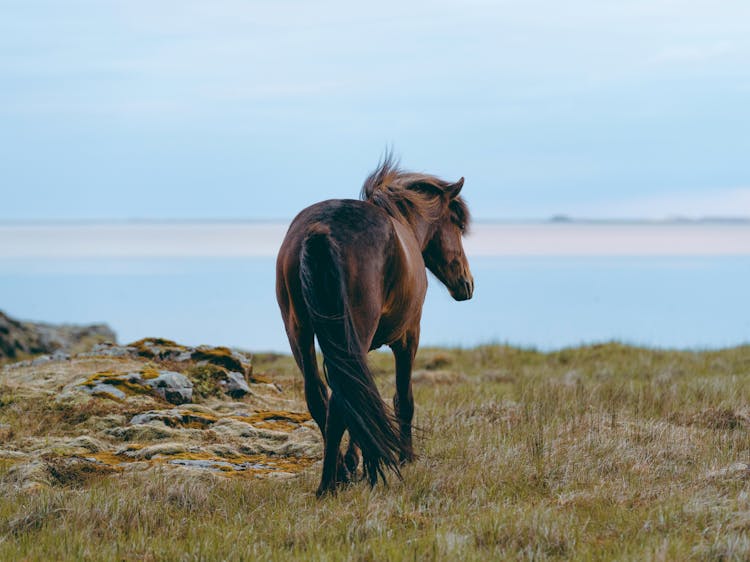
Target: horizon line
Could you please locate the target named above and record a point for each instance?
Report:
(553, 219)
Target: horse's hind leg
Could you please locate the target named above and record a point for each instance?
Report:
(404, 351)
(351, 458)
(316, 392)
(332, 461)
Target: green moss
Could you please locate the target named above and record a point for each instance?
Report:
(205, 379)
(221, 356)
(144, 346)
(117, 380)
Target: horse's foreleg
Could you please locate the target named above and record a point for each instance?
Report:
(404, 351)
(332, 461)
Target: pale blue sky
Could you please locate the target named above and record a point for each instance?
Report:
(230, 109)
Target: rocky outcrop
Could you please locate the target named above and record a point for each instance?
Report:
(19, 339)
(150, 405)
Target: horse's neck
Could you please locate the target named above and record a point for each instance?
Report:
(422, 231)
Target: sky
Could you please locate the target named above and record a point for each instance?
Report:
(255, 109)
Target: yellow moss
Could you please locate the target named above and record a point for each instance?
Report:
(276, 425)
(117, 380)
(108, 395)
(96, 378)
(296, 417)
(142, 343)
(143, 346)
(274, 420)
(259, 379)
(109, 458)
(149, 372)
(196, 420)
(266, 464)
(269, 463)
(221, 356)
(220, 351)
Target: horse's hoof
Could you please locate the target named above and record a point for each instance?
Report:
(342, 475)
(324, 491)
(351, 462)
(406, 459)
(351, 470)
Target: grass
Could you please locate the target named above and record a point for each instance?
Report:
(597, 453)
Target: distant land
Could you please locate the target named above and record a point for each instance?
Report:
(558, 218)
(558, 236)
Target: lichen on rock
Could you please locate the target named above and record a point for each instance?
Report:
(123, 409)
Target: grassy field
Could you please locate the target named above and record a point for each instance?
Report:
(597, 453)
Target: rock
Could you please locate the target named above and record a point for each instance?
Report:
(85, 442)
(168, 417)
(236, 385)
(106, 389)
(165, 449)
(19, 338)
(153, 431)
(108, 349)
(115, 420)
(173, 387)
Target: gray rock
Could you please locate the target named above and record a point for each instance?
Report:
(167, 417)
(110, 350)
(142, 432)
(41, 360)
(33, 338)
(86, 442)
(201, 463)
(236, 385)
(173, 387)
(58, 355)
(103, 388)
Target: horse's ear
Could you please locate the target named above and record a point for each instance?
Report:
(454, 189)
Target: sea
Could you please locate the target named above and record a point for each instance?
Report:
(543, 285)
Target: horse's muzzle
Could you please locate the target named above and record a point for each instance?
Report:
(464, 289)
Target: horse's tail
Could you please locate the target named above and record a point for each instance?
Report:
(344, 360)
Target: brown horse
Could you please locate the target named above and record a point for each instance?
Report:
(353, 274)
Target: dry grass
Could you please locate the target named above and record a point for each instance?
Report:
(597, 453)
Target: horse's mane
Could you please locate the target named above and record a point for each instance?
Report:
(407, 194)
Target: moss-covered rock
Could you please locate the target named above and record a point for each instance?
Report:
(68, 423)
(19, 340)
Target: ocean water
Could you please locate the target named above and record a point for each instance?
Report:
(546, 302)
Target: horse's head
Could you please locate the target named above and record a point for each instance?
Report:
(444, 254)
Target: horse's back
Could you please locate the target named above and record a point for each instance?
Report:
(352, 223)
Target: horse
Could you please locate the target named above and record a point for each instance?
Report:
(353, 274)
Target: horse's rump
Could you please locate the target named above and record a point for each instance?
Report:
(324, 290)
